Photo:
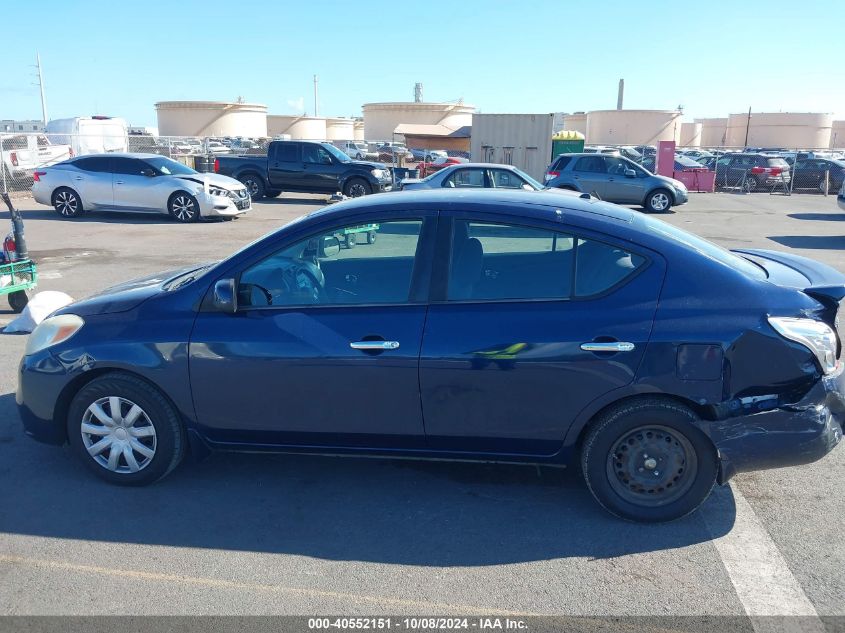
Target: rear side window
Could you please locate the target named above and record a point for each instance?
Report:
(94, 163)
(599, 267)
(591, 164)
(286, 152)
(494, 262)
(561, 163)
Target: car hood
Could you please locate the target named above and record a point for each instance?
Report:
(216, 180)
(369, 164)
(670, 181)
(124, 296)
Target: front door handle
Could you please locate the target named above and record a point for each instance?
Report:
(615, 346)
(118, 182)
(375, 345)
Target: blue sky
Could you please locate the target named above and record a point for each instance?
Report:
(713, 57)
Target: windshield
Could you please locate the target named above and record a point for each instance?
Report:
(343, 158)
(169, 167)
(706, 248)
(537, 186)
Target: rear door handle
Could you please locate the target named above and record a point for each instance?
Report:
(615, 346)
(78, 178)
(118, 182)
(374, 345)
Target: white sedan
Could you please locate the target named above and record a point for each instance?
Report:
(141, 183)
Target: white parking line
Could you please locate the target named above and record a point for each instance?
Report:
(760, 575)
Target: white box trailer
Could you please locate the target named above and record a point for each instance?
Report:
(521, 140)
(90, 134)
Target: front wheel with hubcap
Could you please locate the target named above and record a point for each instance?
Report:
(658, 201)
(254, 185)
(184, 207)
(66, 202)
(125, 430)
(648, 461)
(356, 187)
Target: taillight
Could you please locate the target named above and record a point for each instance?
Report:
(775, 171)
(36, 175)
(216, 165)
(551, 175)
(14, 158)
(10, 249)
(758, 170)
(70, 152)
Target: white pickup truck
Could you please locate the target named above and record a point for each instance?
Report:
(22, 154)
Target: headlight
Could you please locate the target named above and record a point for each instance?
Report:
(378, 173)
(681, 187)
(217, 191)
(816, 336)
(53, 331)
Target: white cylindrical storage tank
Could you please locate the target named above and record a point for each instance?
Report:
(690, 134)
(713, 131)
(381, 119)
(575, 122)
(803, 130)
(211, 118)
(358, 131)
(837, 135)
(339, 129)
(633, 127)
(303, 128)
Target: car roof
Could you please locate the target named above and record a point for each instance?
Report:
(482, 165)
(119, 155)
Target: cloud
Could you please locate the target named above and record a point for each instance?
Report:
(297, 105)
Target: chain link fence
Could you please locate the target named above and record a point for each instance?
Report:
(788, 170)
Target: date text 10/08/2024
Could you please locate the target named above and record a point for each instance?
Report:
(417, 623)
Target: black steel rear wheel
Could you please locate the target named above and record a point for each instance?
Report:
(648, 460)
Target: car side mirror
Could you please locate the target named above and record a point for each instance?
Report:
(329, 247)
(630, 173)
(225, 298)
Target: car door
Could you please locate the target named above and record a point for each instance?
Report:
(621, 188)
(467, 178)
(133, 190)
(590, 175)
(338, 367)
(507, 179)
(284, 166)
(535, 324)
(93, 181)
(320, 171)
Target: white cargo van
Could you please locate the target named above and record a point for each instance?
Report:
(90, 134)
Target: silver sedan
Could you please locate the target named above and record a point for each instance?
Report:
(474, 176)
(145, 183)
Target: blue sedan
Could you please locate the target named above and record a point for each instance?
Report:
(492, 325)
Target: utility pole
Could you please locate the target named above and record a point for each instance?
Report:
(41, 87)
(316, 112)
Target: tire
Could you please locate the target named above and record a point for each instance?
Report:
(371, 237)
(351, 240)
(618, 469)
(658, 201)
(273, 193)
(18, 301)
(254, 185)
(356, 187)
(183, 207)
(163, 440)
(751, 184)
(67, 202)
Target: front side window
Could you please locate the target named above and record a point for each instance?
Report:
(315, 154)
(494, 262)
(128, 166)
(506, 179)
(348, 265)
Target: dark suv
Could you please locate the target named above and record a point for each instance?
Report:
(752, 171)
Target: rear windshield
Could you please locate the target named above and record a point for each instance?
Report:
(706, 248)
(777, 162)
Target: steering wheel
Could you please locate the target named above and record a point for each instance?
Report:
(246, 288)
(304, 279)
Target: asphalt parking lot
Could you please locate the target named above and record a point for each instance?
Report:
(257, 534)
